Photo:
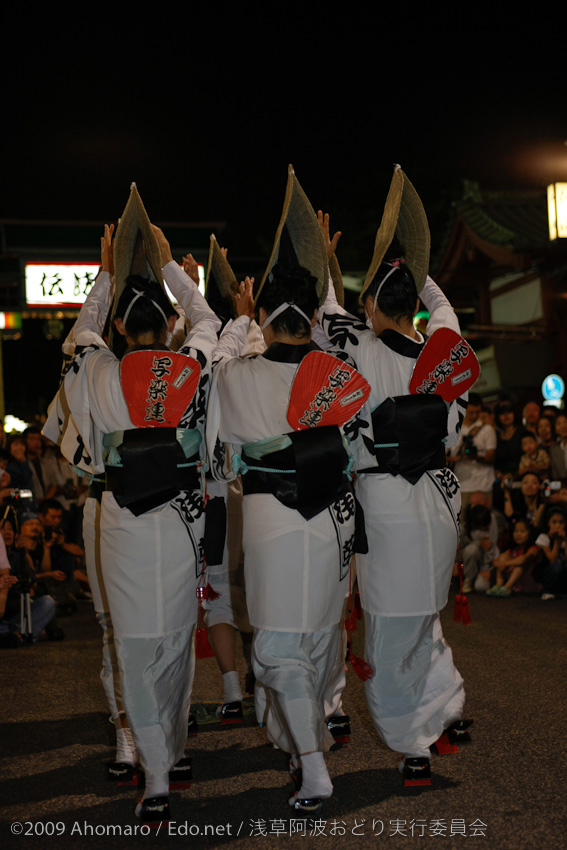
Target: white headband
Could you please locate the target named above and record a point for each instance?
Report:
(392, 270)
(140, 294)
(281, 309)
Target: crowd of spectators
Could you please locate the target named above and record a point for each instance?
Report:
(42, 571)
(512, 470)
(513, 475)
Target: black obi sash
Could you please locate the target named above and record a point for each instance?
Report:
(408, 435)
(319, 460)
(149, 475)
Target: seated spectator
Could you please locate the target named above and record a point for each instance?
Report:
(535, 458)
(18, 578)
(5, 477)
(479, 547)
(43, 488)
(71, 491)
(545, 433)
(508, 449)
(527, 502)
(552, 543)
(558, 452)
(59, 556)
(531, 415)
(509, 440)
(20, 472)
(517, 563)
(51, 515)
(51, 580)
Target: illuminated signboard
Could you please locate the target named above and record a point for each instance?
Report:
(553, 388)
(57, 285)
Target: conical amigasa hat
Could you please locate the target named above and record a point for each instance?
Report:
(136, 250)
(299, 237)
(337, 278)
(220, 282)
(405, 218)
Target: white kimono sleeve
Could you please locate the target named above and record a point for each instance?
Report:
(205, 326)
(441, 314)
(232, 339)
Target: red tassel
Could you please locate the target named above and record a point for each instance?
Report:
(207, 592)
(361, 667)
(202, 645)
(465, 612)
(461, 613)
(350, 624)
(458, 609)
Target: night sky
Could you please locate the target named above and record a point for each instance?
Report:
(205, 110)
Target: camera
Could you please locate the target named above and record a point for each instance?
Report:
(20, 498)
(550, 487)
(469, 448)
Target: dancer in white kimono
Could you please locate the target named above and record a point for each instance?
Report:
(152, 511)
(299, 534)
(123, 768)
(411, 504)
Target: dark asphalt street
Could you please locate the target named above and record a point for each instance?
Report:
(505, 790)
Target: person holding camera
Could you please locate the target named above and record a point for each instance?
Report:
(473, 456)
(61, 562)
(17, 577)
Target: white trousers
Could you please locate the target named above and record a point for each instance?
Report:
(149, 573)
(294, 669)
(416, 691)
(157, 677)
(333, 695)
(109, 674)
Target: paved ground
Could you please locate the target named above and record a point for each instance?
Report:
(506, 790)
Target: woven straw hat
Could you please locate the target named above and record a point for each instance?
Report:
(136, 250)
(299, 238)
(220, 282)
(337, 278)
(405, 218)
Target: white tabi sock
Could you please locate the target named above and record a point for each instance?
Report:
(125, 747)
(316, 782)
(231, 682)
(157, 785)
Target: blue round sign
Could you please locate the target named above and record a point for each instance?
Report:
(553, 388)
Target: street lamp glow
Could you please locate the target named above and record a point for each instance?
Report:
(557, 210)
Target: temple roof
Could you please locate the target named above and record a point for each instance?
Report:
(515, 219)
(492, 233)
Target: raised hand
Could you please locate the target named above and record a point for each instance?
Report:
(107, 250)
(164, 248)
(323, 219)
(191, 267)
(245, 299)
